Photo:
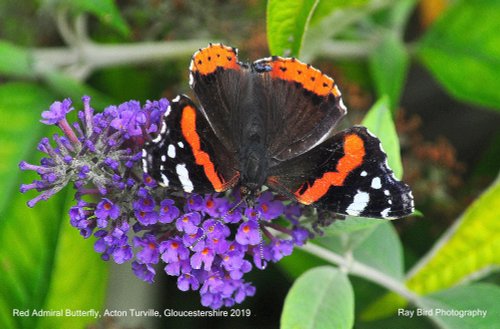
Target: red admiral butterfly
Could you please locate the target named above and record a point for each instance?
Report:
(270, 123)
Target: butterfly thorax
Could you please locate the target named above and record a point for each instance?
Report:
(254, 167)
(252, 150)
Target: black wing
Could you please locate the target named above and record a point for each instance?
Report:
(187, 155)
(303, 105)
(347, 174)
(223, 86)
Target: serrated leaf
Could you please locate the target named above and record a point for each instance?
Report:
(286, 24)
(379, 121)
(468, 248)
(462, 50)
(389, 65)
(14, 60)
(452, 308)
(321, 298)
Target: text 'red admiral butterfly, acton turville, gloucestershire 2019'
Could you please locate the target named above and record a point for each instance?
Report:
(270, 123)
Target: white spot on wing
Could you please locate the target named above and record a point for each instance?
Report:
(386, 192)
(341, 104)
(171, 151)
(370, 133)
(176, 99)
(144, 161)
(191, 79)
(359, 203)
(157, 139)
(385, 213)
(164, 181)
(376, 183)
(363, 173)
(183, 175)
(181, 145)
(167, 112)
(163, 158)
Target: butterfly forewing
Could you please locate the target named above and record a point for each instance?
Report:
(187, 155)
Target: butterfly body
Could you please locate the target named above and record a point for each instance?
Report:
(270, 123)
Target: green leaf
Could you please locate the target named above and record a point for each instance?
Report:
(379, 121)
(14, 60)
(462, 50)
(21, 105)
(286, 23)
(84, 279)
(350, 225)
(321, 298)
(382, 250)
(326, 8)
(453, 308)
(389, 65)
(299, 262)
(399, 13)
(333, 18)
(469, 248)
(38, 268)
(105, 10)
(377, 246)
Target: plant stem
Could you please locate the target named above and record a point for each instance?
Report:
(346, 49)
(94, 56)
(362, 270)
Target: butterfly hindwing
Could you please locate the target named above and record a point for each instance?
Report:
(187, 155)
(347, 174)
(271, 123)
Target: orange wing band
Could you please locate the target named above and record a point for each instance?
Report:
(354, 152)
(291, 69)
(207, 60)
(188, 127)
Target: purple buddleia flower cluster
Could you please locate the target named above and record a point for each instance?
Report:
(208, 241)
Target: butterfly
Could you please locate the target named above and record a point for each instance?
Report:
(271, 123)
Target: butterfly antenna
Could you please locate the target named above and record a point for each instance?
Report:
(261, 244)
(220, 220)
(204, 235)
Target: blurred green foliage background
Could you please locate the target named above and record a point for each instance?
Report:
(432, 69)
